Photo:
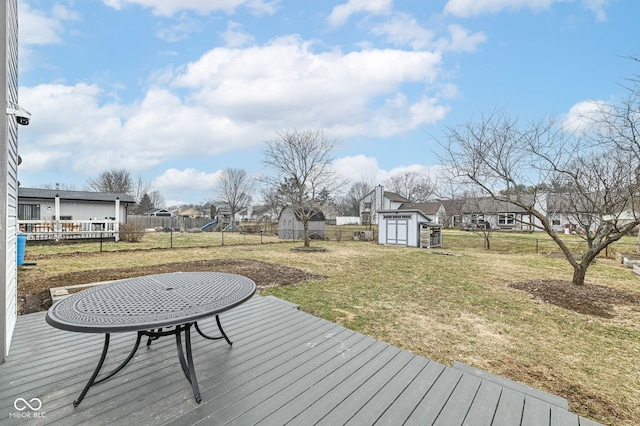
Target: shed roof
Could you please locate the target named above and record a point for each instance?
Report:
(420, 213)
(317, 215)
(41, 193)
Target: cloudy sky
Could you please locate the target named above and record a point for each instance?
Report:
(177, 90)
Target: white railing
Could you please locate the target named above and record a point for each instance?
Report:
(69, 229)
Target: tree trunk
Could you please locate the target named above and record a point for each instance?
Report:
(579, 272)
(306, 233)
(487, 243)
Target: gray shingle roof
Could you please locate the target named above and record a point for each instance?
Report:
(41, 193)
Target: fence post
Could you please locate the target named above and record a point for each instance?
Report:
(222, 235)
(537, 247)
(171, 238)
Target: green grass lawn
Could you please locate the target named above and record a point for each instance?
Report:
(452, 308)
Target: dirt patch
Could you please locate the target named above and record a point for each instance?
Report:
(587, 299)
(33, 293)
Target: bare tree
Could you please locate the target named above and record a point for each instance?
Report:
(414, 186)
(235, 188)
(509, 162)
(271, 199)
(301, 162)
(157, 199)
(118, 181)
(139, 187)
(62, 186)
(356, 193)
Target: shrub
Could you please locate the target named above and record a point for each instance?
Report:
(131, 233)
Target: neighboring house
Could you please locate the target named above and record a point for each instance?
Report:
(255, 214)
(290, 226)
(487, 213)
(189, 212)
(408, 227)
(56, 213)
(331, 212)
(565, 212)
(434, 211)
(9, 161)
(378, 200)
(159, 213)
(562, 210)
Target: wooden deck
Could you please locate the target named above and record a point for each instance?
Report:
(285, 367)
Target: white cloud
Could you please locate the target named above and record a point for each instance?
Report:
(179, 30)
(597, 7)
(286, 84)
(403, 29)
(361, 168)
(461, 41)
(170, 7)
(38, 27)
(358, 168)
(341, 13)
(469, 8)
(583, 115)
(176, 184)
(230, 100)
(235, 37)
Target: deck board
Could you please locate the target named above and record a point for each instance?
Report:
(285, 367)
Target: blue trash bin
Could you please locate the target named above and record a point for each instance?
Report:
(22, 248)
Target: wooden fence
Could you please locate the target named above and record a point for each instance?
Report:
(175, 223)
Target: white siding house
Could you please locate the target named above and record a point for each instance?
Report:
(378, 200)
(8, 173)
(45, 213)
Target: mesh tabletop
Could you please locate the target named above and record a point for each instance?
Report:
(150, 302)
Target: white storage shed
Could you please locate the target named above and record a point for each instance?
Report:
(409, 228)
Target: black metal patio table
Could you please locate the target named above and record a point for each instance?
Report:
(153, 306)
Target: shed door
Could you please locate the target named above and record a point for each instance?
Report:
(397, 231)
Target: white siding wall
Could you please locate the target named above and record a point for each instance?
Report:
(8, 173)
(78, 210)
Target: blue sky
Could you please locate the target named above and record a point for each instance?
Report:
(177, 90)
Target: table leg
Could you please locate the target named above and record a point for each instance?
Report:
(187, 365)
(105, 348)
(222, 336)
(92, 381)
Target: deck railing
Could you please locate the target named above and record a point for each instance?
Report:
(69, 229)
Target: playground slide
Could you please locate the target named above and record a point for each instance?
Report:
(208, 225)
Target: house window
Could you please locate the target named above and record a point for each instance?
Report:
(555, 222)
(28, 211)
(66, 218)
(507, 219)
(475, 218)
(367, 205)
